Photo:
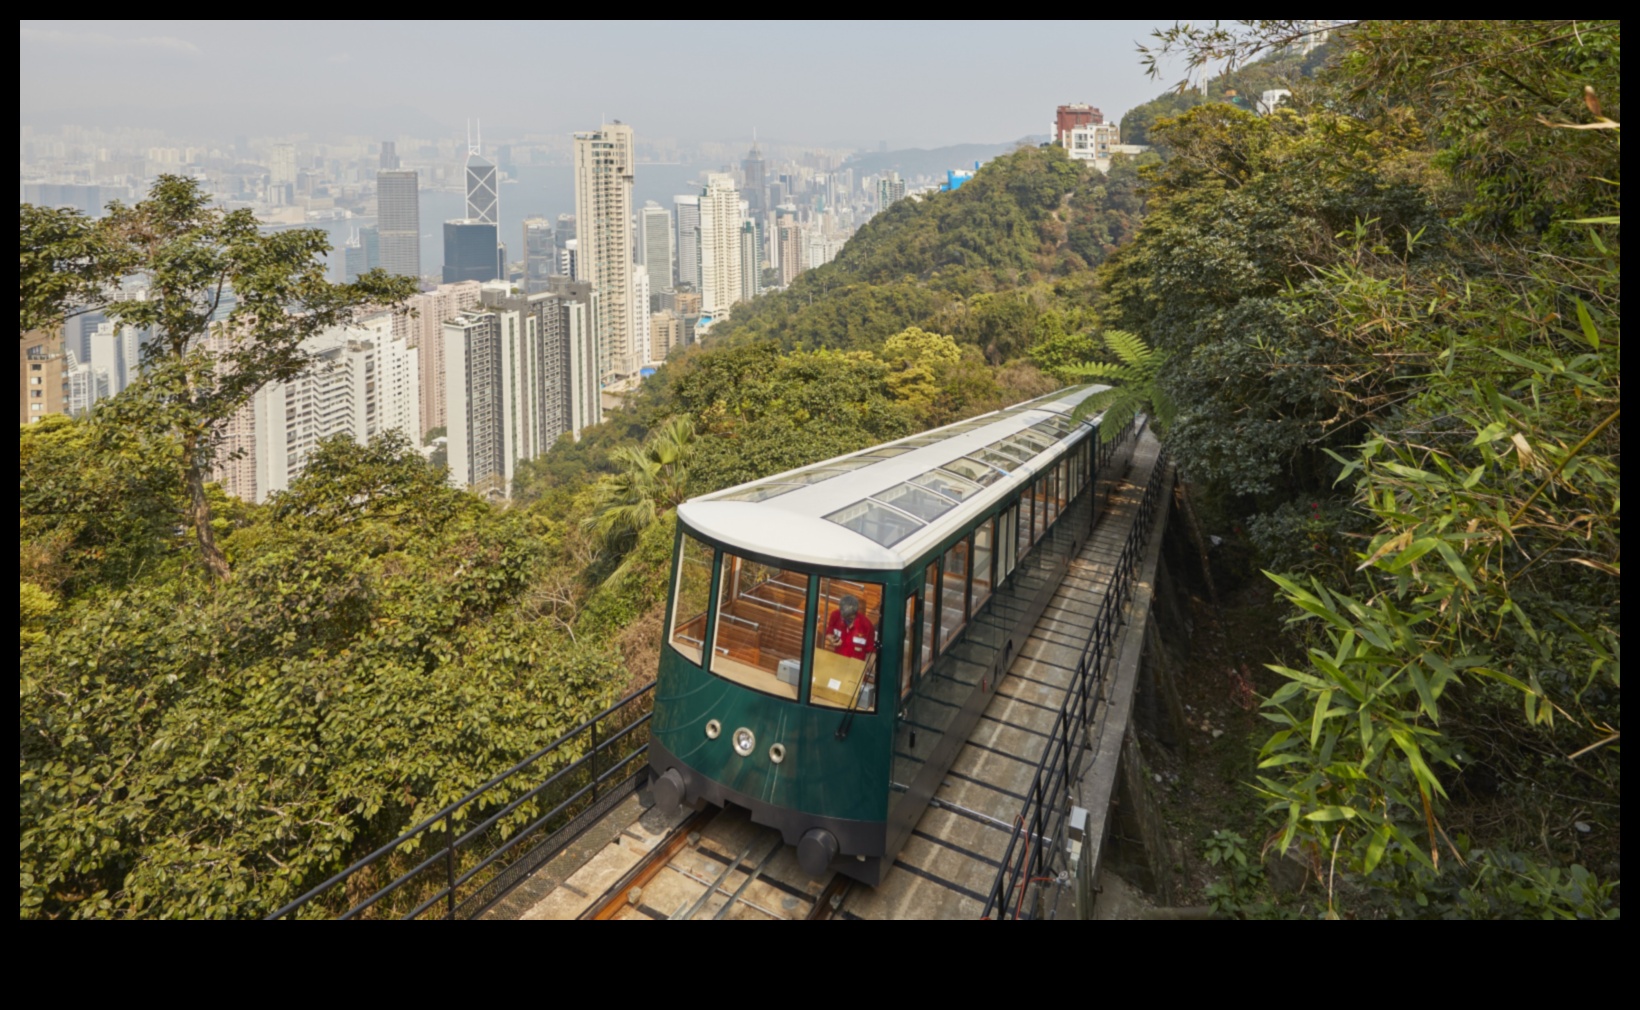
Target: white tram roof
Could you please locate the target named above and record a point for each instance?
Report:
(884, 508)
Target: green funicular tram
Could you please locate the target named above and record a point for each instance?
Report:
(835, 633)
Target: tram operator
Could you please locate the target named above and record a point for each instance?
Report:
(850, 633)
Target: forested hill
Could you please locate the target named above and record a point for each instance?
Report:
(982, 264)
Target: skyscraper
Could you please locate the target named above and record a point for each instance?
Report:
(398, 219)
(540, 254)
(603, 220)
(483, 189)
(472, 252)
(390, 156)
(688, 208)
(757, 183)
(362, 254)
(719, 245)
(751, 267)
(655, 228)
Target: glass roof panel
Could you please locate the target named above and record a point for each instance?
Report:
(1056, 429)
(762, 493)
(816, 476)
(925, 505)
(1015, 451)
(948, 484)
(1035, 438)
(876, 522)
(973, 470)
(1007, 464)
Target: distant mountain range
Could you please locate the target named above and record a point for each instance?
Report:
(935, 163)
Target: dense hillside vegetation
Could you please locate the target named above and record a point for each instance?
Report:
(1386, 323)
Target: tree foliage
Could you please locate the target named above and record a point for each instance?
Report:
(1410, 286)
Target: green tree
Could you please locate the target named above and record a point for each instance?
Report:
(229, 310)
(652, 480)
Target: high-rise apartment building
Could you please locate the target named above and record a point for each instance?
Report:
(665, 333)
(398, 220)
(361, 381)
(43, 371)
(282, 169)
(751, 262)
(421, 325)
(655, 244)
(640, 315)
(604, 172)
(581, 306)
(789, 238)
(515, 382)
(720, 220)
(890, 190)
(688, 210)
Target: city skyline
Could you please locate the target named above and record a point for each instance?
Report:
(851, 83)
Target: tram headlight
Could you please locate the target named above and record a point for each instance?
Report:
(745, 742)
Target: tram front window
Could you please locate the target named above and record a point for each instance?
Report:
(847, 645)
(691, 596)
(758, 642)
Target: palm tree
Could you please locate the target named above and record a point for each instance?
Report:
(1134, 385)
(652, 479)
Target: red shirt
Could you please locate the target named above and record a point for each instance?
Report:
(859, 638)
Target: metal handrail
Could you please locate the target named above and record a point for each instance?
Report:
(1043, 817)
(447, 820)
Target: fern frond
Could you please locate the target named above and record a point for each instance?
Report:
(1103, 370)
(1128, 347)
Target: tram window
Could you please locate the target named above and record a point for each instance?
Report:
(984, 557)
(954, 599)
(1022, 527)
(690, 598)
(1007, 538)
(908, 661)
(847, 645)
(1050, 494)
(1039, 510)
(931, 614)
(758, 641)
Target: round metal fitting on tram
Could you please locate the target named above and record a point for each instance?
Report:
(714, 729)
(777, 753)
(670, 790)
(745, 742)
(816, 852)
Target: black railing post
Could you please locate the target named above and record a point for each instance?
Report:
(450, 868)
(595, 775)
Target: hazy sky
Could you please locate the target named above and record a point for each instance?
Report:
(911, 83)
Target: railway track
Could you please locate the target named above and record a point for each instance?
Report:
(717, 866)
